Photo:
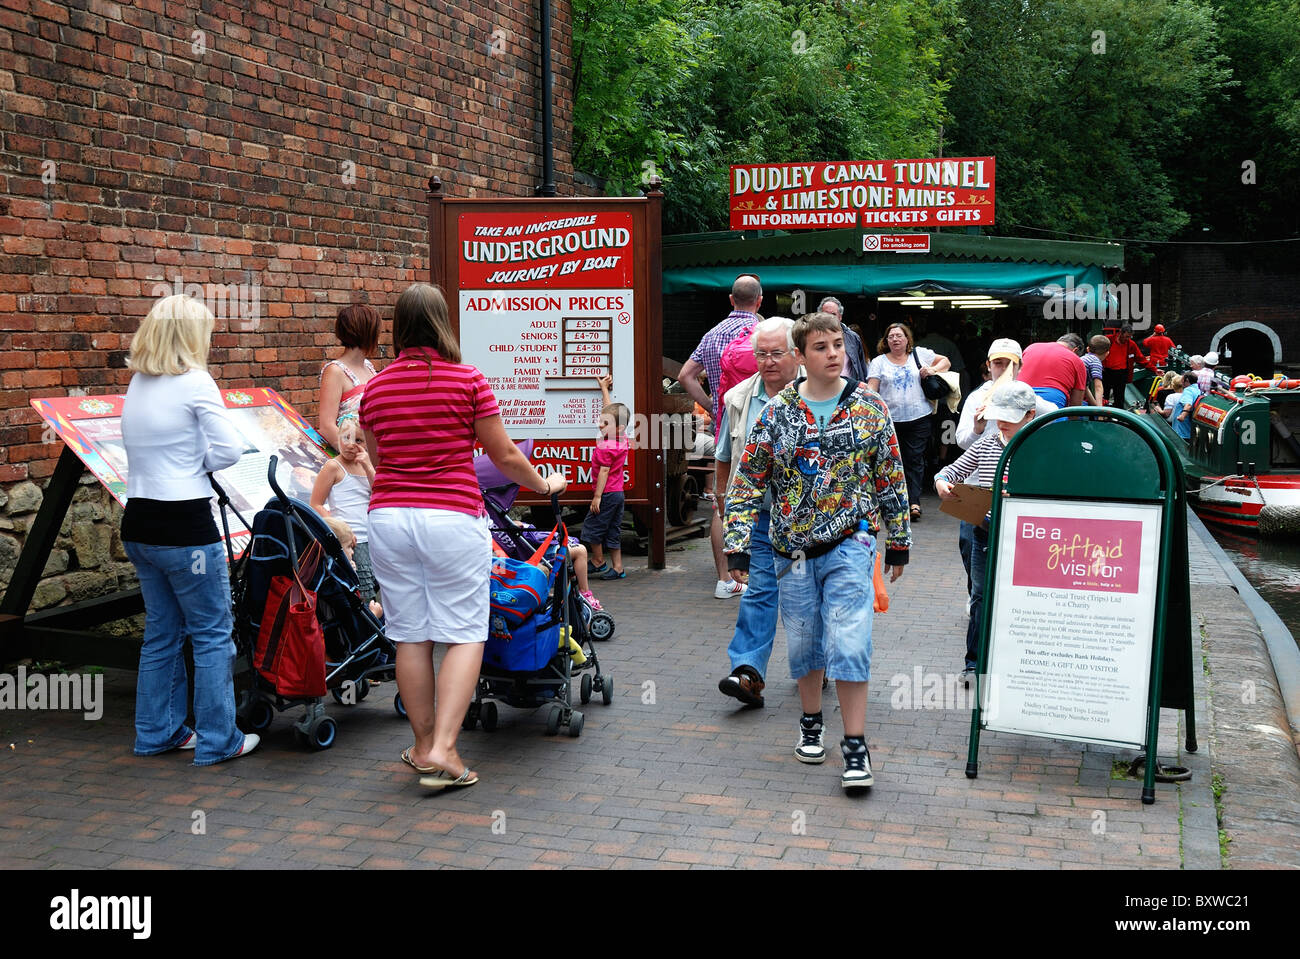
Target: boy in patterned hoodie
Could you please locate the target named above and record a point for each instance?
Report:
(827, 449)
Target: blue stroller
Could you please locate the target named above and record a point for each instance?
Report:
(537, 663)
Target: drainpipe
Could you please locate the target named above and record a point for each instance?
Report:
(547, 187)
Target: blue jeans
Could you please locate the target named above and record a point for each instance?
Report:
(186, 592)
(978, 562)
(827, 607)
(756, 619)
(965, 537)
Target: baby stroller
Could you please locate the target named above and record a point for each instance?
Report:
(536, 663)
(285, 537)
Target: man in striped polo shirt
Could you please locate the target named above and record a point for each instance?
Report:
(746, 298)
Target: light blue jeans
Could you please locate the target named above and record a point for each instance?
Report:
(186, 592)
(756, 619)
(827, 608)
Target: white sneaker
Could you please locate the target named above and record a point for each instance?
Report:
(728, 589)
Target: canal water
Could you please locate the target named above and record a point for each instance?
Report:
(1272, 566)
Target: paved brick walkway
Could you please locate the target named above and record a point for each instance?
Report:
(669, 776)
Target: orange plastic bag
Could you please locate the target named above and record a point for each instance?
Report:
(878, 583)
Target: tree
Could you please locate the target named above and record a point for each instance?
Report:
(1088, 106)
(686, 88)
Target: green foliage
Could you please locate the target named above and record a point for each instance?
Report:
(1257, 120)
(685, 88)
(1087, 105)
(1140, 133)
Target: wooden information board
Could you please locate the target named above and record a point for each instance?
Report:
(546, 296)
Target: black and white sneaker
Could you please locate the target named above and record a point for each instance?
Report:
(857, 764)
(811, 748)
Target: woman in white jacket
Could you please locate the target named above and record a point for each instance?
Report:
(175, 429)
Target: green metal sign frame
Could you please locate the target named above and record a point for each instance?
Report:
(1106, 456)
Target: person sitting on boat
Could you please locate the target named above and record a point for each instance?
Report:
(1205, 375)
(1182, 412)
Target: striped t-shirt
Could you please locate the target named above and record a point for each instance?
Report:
(422, 420)
(978, 466)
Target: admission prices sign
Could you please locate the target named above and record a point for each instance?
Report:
(1073, 617)
(952, 191)
(546, 308)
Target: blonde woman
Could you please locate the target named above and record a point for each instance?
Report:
(175, 430)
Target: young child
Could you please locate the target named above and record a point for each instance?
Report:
(603, 527)
(342, 381)
(1012, 407)
(348, 540)
(342, 490)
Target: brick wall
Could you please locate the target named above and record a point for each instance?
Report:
(281, 150)
(1199, 290)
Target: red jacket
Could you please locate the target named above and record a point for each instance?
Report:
(1122, 355)
(1158, 347)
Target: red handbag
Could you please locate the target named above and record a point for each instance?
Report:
(290, 651)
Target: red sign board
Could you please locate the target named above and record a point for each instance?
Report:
(950, 191)
(896, 243)
(1098, 555)
(546, 250)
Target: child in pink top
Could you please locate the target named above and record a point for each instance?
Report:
(603, 527)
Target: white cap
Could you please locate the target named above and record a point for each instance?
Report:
(1011, 402)
(1211, 359)
(1004, 349)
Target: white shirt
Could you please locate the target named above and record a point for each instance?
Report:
(966, 434)
(176, 430)
(900, 385)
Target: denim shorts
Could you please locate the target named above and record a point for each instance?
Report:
(827, 608)
(606, 526)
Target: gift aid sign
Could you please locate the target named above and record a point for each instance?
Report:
(1096, 555)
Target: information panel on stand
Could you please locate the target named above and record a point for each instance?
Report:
(1070, 640)
(549, 295)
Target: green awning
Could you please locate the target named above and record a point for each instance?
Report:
(1008, 279)
(834, 260)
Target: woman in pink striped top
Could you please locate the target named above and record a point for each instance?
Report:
(429, 541)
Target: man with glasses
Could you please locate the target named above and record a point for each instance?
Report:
(751, 645)
(855, 358)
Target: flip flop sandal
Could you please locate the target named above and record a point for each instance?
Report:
(406, 758)
(443, 780)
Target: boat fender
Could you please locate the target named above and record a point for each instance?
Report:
(1277, 521)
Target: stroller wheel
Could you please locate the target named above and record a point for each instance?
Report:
(322, 732)
(471, 717)
(257, 714)
(602, 626)
(351, 692)
(575, 724)
(488, 716)
(398, 706)
(584, 692)
(607, 690)
(553, 720)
